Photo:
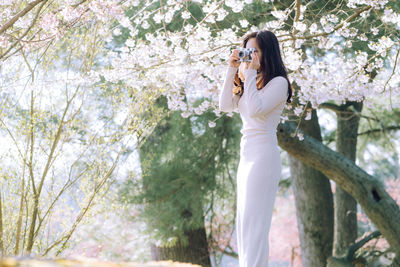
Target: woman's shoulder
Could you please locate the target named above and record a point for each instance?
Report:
(281, 80)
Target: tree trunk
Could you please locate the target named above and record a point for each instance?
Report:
(314, 205)
(369, 192)
(20, 213)
(31, 238)
(345, 230)
(196, 252)
(172, 139)
(1, 228)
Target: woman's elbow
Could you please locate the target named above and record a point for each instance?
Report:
(224, 108)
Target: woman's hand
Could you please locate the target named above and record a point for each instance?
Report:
(233, 60)
(255, 61)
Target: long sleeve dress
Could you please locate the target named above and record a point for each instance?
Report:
(259, 167)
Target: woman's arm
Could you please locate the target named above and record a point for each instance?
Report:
(228, 101)
(263, 101)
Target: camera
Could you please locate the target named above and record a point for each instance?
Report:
(245, 54)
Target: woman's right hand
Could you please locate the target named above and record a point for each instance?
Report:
(233, 59)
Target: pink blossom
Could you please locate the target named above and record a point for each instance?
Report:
(49, 23)
(3, 41)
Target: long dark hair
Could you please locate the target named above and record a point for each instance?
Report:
(271, 63)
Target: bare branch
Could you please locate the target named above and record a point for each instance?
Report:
(79, 3)
(298, 6)
(209, 14)
(162, 13)
(56, 139)
(391, 75)
(21, 205)
(28, 8)
(334, 29)
(26, 31)
(1, 229)
(64, 239)
(383, 129)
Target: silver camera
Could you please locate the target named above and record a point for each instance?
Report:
(245, 54)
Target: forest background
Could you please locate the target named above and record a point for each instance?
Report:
(112, 144)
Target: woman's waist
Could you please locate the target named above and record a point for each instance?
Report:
(258, 144)
(259, 138)
(258, 132)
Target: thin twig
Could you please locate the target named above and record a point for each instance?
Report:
(334, 29)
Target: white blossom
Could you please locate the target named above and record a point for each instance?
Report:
(374, 30)
(117, 31)
(185, 14)
(244, 23)
(300, 26)
(313, 28)
(145, 24)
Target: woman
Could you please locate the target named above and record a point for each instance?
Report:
(259, 90)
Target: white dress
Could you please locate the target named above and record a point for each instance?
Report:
(259, 167)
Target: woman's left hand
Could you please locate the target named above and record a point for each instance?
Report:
(255, 61)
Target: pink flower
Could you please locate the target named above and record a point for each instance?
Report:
(49, 23)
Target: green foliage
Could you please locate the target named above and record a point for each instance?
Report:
(181, 162)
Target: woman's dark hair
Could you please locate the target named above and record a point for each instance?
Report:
(271, 63)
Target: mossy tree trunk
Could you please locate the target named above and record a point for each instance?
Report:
(345, 230)
(314, 204)
(195, 252)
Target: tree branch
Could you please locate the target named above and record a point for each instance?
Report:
(369, 191)
(384, 129)
(1, 229)
(64, 239)
(330, 106)
(25, 32)
(393, 71)
(22, 13)
(361, 10)
(344, 109)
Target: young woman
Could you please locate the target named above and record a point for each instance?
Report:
(259, 90)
